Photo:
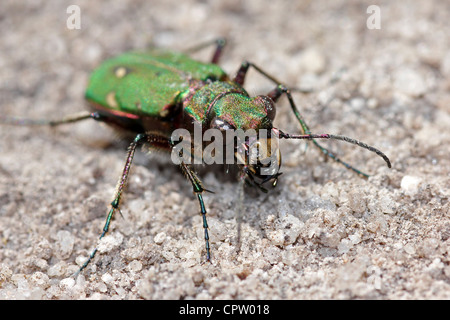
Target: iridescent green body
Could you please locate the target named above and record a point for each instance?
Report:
(160, 90)
(228, 101)
(154, 92)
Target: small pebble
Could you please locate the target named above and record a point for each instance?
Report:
(409, 82)
(110, 242)
(410, 184)
(160, 237)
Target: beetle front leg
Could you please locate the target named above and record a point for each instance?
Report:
(275, 94)
(281, 89)
(198, 190)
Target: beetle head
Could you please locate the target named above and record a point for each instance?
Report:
(260, 159)
(246, 126)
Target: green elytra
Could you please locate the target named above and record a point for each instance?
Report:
(154, 83)
(153, 92)
(145, 82)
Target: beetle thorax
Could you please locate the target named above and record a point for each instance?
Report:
(241, 112)
(206, 101)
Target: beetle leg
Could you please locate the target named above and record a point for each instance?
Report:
(283, 89)
(140, 139)
(198, 190)
(275, 95)
(16, 121)
(240, 209)
(239, 78)
(220, 44)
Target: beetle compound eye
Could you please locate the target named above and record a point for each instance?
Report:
(269, 106)
(221, 124)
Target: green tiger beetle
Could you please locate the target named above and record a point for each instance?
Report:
(152, 93)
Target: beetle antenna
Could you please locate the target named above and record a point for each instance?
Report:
(311, 136)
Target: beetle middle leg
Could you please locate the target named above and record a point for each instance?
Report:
(275, 94)
(154, 141)
(141, 138)
(115, 203)
(220, 44)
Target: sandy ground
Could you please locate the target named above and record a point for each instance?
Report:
(323, 233)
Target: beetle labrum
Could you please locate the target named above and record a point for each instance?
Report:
(152, 93)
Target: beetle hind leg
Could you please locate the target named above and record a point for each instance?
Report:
(76, 117)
